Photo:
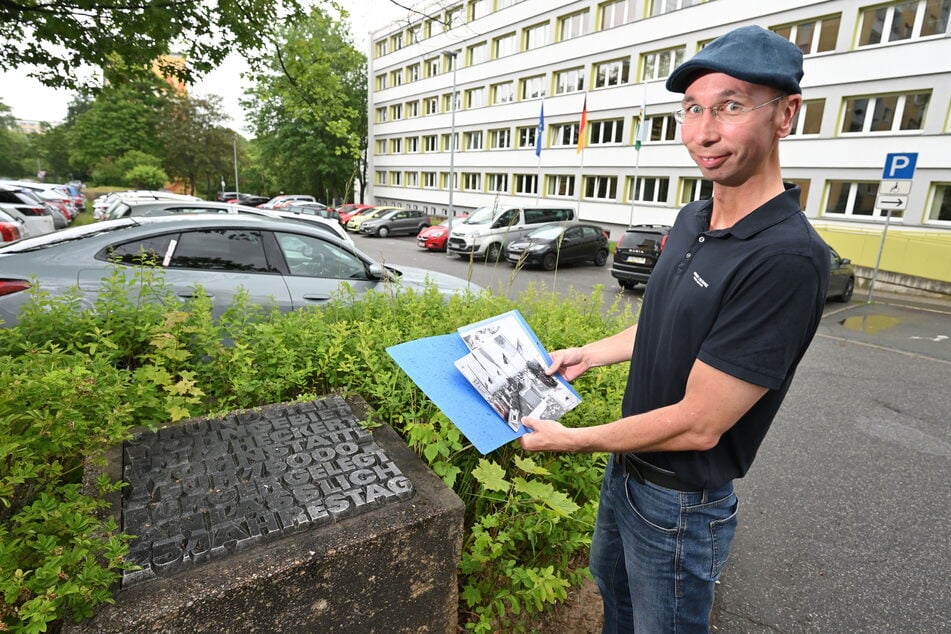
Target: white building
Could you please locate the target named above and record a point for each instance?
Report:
(876, 83)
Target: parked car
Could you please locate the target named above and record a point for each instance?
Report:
(37, 217)
(841, 278)
(313, 209)
(553, 245)
(396, 222)
(636, 254)
(177, 207)
(348, 211)
(433, 238)
(353, 225)
(57, 195)
(287, 264)
(11, 228)
(139, 196)
(488, 230)
(287, 199)
(248, 200)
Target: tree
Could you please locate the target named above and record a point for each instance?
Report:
(57, 37)
(13, 145)
(197, 150)
(308, 107)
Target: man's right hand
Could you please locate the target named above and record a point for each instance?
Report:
(570, 362)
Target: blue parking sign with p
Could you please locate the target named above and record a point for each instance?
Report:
(900, 167)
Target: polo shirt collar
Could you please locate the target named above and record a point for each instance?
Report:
(771, 213)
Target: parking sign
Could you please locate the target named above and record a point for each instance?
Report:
(900, 166)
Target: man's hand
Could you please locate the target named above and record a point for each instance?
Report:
(570, 362)
(546, 435)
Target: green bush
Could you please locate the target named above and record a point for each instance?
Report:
(79, 378)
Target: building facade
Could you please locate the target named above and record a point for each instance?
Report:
(565, 101)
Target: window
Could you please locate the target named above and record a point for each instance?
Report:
(412, 109)
(561, 185)
(430, 143)
(412, 72)
(663, 128)
(477, 53)
(396, 146)
(660, 64)
(429, 180)
(449, 61)
(396, 111)
(500, 139)
(431, 67)
(381, 114)
(940, 209)
(533, 87)
(649, 189)
(809, 118)
(411, 144)
(396, 77)
(526, 136)
(473, 140)
(380, 177)
(535, 36)
(616, 13)
(666, 6)
(445, 142)
(445, 182)
(573, 25)
(571, 80)
(313, 257)
(475, 97)
(600, 187)
(380, 146)
(502, 93)
(526, 183)
(848, 198)
(815, 36)
(504, 46)
(411, 179)
(497, 183)
(455, 18)
(695, 189)
(396, 178)
(381, 82)
(396, 41)
(903, 20)
(564, 134)
(433, 27)
(606, 132)
(613, 73)
(382, 47)
(447, 102)
(479, 9)
(885, 113)
(431, 105)
(472, 181)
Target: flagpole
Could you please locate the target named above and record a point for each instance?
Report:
(539, 141)
(639, 138)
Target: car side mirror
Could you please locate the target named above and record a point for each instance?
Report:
(845, 261)
(377, 272)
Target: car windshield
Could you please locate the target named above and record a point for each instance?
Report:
(548, 232)
(481, 216)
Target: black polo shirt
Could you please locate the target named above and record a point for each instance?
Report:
(746, 300)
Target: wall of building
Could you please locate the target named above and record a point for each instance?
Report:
(852, 86)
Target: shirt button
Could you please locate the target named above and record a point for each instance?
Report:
(688, 255)
(701, 239)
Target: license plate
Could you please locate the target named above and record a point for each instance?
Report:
(636, 260)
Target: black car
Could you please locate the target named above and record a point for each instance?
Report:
(555, 244)
(637, 252)
(841, 278)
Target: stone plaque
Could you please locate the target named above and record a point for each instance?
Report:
(204, 489)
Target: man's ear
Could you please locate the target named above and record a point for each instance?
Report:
(791, 105)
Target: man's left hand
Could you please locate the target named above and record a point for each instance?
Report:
(545, 435)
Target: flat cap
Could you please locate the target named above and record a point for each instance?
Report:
(750, 53)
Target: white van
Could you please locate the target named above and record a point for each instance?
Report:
(487, 230)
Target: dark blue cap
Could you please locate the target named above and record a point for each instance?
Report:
(750, 53)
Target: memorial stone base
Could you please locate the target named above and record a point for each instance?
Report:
(291, 518)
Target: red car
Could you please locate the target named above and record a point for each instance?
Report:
(348, 211)
(434, 238)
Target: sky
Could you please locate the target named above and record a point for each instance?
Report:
(30, 100)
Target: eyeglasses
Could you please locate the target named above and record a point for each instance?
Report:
(727, 112)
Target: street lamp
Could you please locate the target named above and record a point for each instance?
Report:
(452, 148)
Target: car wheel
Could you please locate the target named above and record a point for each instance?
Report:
(550, 261)
(847, 292)
(601, 258)
(492, 252)
(383, 232)
(628, 286)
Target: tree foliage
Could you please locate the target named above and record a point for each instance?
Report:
(57, 37)
(308, 107)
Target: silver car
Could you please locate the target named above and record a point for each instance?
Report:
(291, 265)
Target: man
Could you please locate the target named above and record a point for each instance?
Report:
(730, 309)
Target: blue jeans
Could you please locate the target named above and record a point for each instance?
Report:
(656, 553)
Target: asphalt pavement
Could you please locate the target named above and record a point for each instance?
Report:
(844, 516)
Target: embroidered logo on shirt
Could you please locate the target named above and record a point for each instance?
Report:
(702, 283)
